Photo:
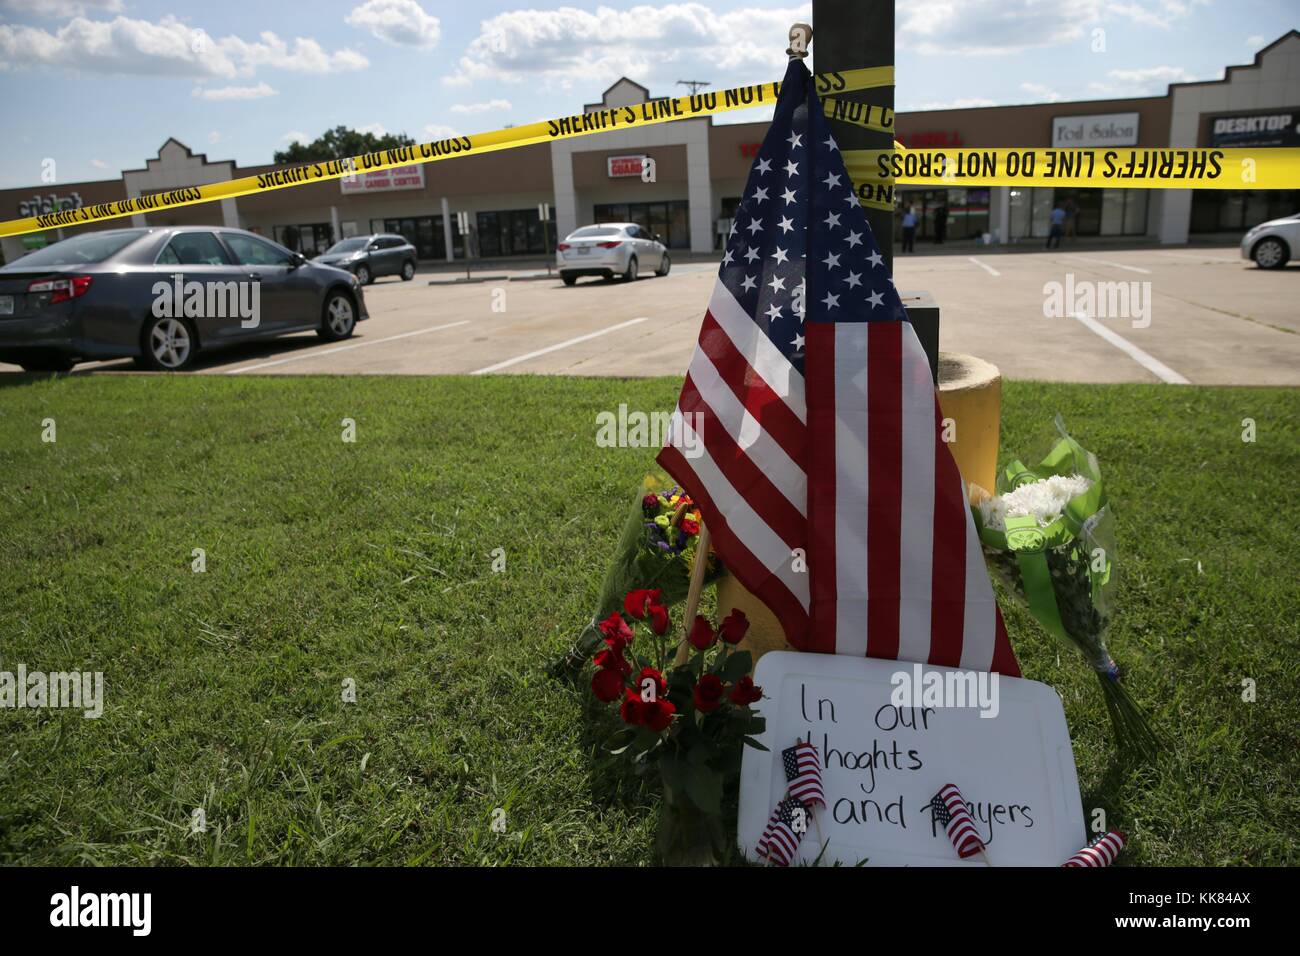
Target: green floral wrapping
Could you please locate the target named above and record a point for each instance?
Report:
(1065, 574)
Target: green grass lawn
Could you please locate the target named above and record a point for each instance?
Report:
(372, 561)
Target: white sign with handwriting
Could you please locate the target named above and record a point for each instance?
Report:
(1008, 751)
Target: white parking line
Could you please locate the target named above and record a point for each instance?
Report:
(987, 268)
(1192, 255)
(344, 348)
(1107, 262)
(1153, 365)
(559, 345)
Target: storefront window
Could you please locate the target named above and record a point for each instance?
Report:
(671, 220)
(310, 239)
(1226, 210)
(514, 232)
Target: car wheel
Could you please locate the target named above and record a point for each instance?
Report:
(408, 270)
(630, 274)
(363, 275)
(338, 316)
(52, 363)
(168, 345)
(567, 279)
(1271, 254)
(664, 266)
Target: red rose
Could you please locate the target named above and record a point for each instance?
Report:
(690, 525)
(633, 710)
(607, 685)
(650, 504)
(612, 660)
(659, 714)
(745, 693)
(734, 626)
(701, 636)
(660, 685)
(616, 632)
(635, 602)
(708, 693)
(659, 619)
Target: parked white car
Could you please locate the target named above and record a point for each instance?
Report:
(1271, 244)
(611, 249)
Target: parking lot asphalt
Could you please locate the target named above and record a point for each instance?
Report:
(1212, 319)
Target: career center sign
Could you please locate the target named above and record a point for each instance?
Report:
(882, 764)
(385, 180)
(1110, 129)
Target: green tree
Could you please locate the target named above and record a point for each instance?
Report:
(340, 143)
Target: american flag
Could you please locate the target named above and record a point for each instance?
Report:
(785, 829)
(950, 812)
(803, 773)
(1101, 852)
(820, 427)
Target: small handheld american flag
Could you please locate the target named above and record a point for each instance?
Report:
(784, 831)
(1101, 852)
(803, 773)
(950, 811)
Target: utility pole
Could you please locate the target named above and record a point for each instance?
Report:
(694, 85)
(850, 35)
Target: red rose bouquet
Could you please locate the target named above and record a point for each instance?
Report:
(690, 720)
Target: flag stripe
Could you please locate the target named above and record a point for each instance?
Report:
(948, 603)
(787, 428)
(758, 351)
(884, 474)
(918, 532)
(747, 434)
(823, 353)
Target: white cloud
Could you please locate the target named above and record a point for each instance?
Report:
(439, 131)
(1041, 92)
(377, 129)
(1151, 80)
(486, 106)
(99, 164)
(565, 46)
(260, 91)
(977, 27)
(296, 136)
(400, 22)
(167, 47)
(58, 9)
(1255, 41)
(959, 104)
(214, 137)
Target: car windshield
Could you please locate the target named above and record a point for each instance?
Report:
(594, 232)
(79, 250)
(347, 245)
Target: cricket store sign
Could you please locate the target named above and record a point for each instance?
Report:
(384, 180)
(49, 204)
(1110, 129)
(890, 735)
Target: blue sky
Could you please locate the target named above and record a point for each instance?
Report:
(98, 85)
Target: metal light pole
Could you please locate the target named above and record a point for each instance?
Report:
(850, 35)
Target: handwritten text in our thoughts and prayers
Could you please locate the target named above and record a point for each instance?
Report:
(882, 765)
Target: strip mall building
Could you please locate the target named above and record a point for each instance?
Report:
(700, 168)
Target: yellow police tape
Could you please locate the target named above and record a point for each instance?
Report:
(875, 172)
(1238, 168)
(565, 127)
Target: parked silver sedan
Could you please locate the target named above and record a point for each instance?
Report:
(611, 249)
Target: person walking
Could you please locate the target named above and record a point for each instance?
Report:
(909, 230)
(1057, 226)
(941, 223)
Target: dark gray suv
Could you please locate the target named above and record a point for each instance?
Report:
(369, 257)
